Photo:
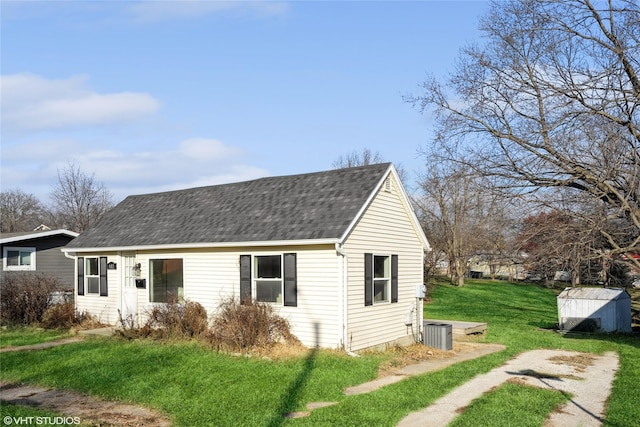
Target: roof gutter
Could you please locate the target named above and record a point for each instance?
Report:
(264, 243)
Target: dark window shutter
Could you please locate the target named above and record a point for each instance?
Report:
(394, 278)
(245, 278)
(290, 281)
(368, 279)
(103, 277)
(80, 275)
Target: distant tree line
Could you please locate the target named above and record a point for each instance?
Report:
(76, 202)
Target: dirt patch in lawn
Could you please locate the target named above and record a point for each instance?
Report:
(89, 409)
(405, 356)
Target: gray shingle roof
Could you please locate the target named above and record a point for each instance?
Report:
(312, 206)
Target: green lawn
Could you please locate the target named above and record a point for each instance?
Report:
(16, 336)
(196, 386)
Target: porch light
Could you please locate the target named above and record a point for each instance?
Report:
(136, 270)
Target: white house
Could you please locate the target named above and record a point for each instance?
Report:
(338, 253)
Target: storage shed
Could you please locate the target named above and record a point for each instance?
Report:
(594, 309)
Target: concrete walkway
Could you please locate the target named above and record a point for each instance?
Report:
(475, 350)
(587, 378)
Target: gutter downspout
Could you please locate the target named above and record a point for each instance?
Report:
(73, 256)
(345, 305)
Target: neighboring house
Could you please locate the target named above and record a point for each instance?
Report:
(492, 266)
(39, 252)
(339, 254)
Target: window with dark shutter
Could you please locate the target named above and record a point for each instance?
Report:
(380, 279)
(368, 279)
(245, 278)
(290, 281)
(80, 275)
(103, 277)
(394, 278)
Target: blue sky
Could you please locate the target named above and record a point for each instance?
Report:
(160, 95)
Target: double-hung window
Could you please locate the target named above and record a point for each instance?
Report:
(380, 279)
(92, 276)
(19, 259)
(269, 278)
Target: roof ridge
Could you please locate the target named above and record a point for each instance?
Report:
(267, 178)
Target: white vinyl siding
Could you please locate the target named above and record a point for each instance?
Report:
(214, 274)
(104, 308)
(385, 228)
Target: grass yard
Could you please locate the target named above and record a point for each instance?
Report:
(16, 336)
(195, 386)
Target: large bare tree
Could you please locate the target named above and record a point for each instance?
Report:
(551, 101)
(78, 199)
(461, 217)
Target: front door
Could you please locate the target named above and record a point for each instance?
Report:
(129, 308)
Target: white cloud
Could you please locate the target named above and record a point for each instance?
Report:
(124, 171)
(155, 11)
(31, 102)
(205, 149)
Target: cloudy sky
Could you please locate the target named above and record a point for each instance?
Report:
(158, 95)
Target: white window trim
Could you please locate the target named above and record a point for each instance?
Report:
(87, 276)
(31, 267)
(254, 279)
(373, 280)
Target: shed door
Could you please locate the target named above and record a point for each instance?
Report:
(129, 292)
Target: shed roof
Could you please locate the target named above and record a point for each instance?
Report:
(595, 293)
(313, 206)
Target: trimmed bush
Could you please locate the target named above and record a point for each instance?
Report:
(248, 325)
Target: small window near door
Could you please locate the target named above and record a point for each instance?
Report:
(166, 276)
(92, 275)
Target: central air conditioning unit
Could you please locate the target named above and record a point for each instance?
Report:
(438, 335)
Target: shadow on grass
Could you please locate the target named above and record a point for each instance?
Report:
(294, 392)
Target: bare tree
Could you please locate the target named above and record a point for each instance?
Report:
(19, 211)
(358, 158)
(78, 199)
(551, 101)
(367, 157)
(458, 214)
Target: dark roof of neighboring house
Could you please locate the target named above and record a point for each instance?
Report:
(29, 235)
(312, 206)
